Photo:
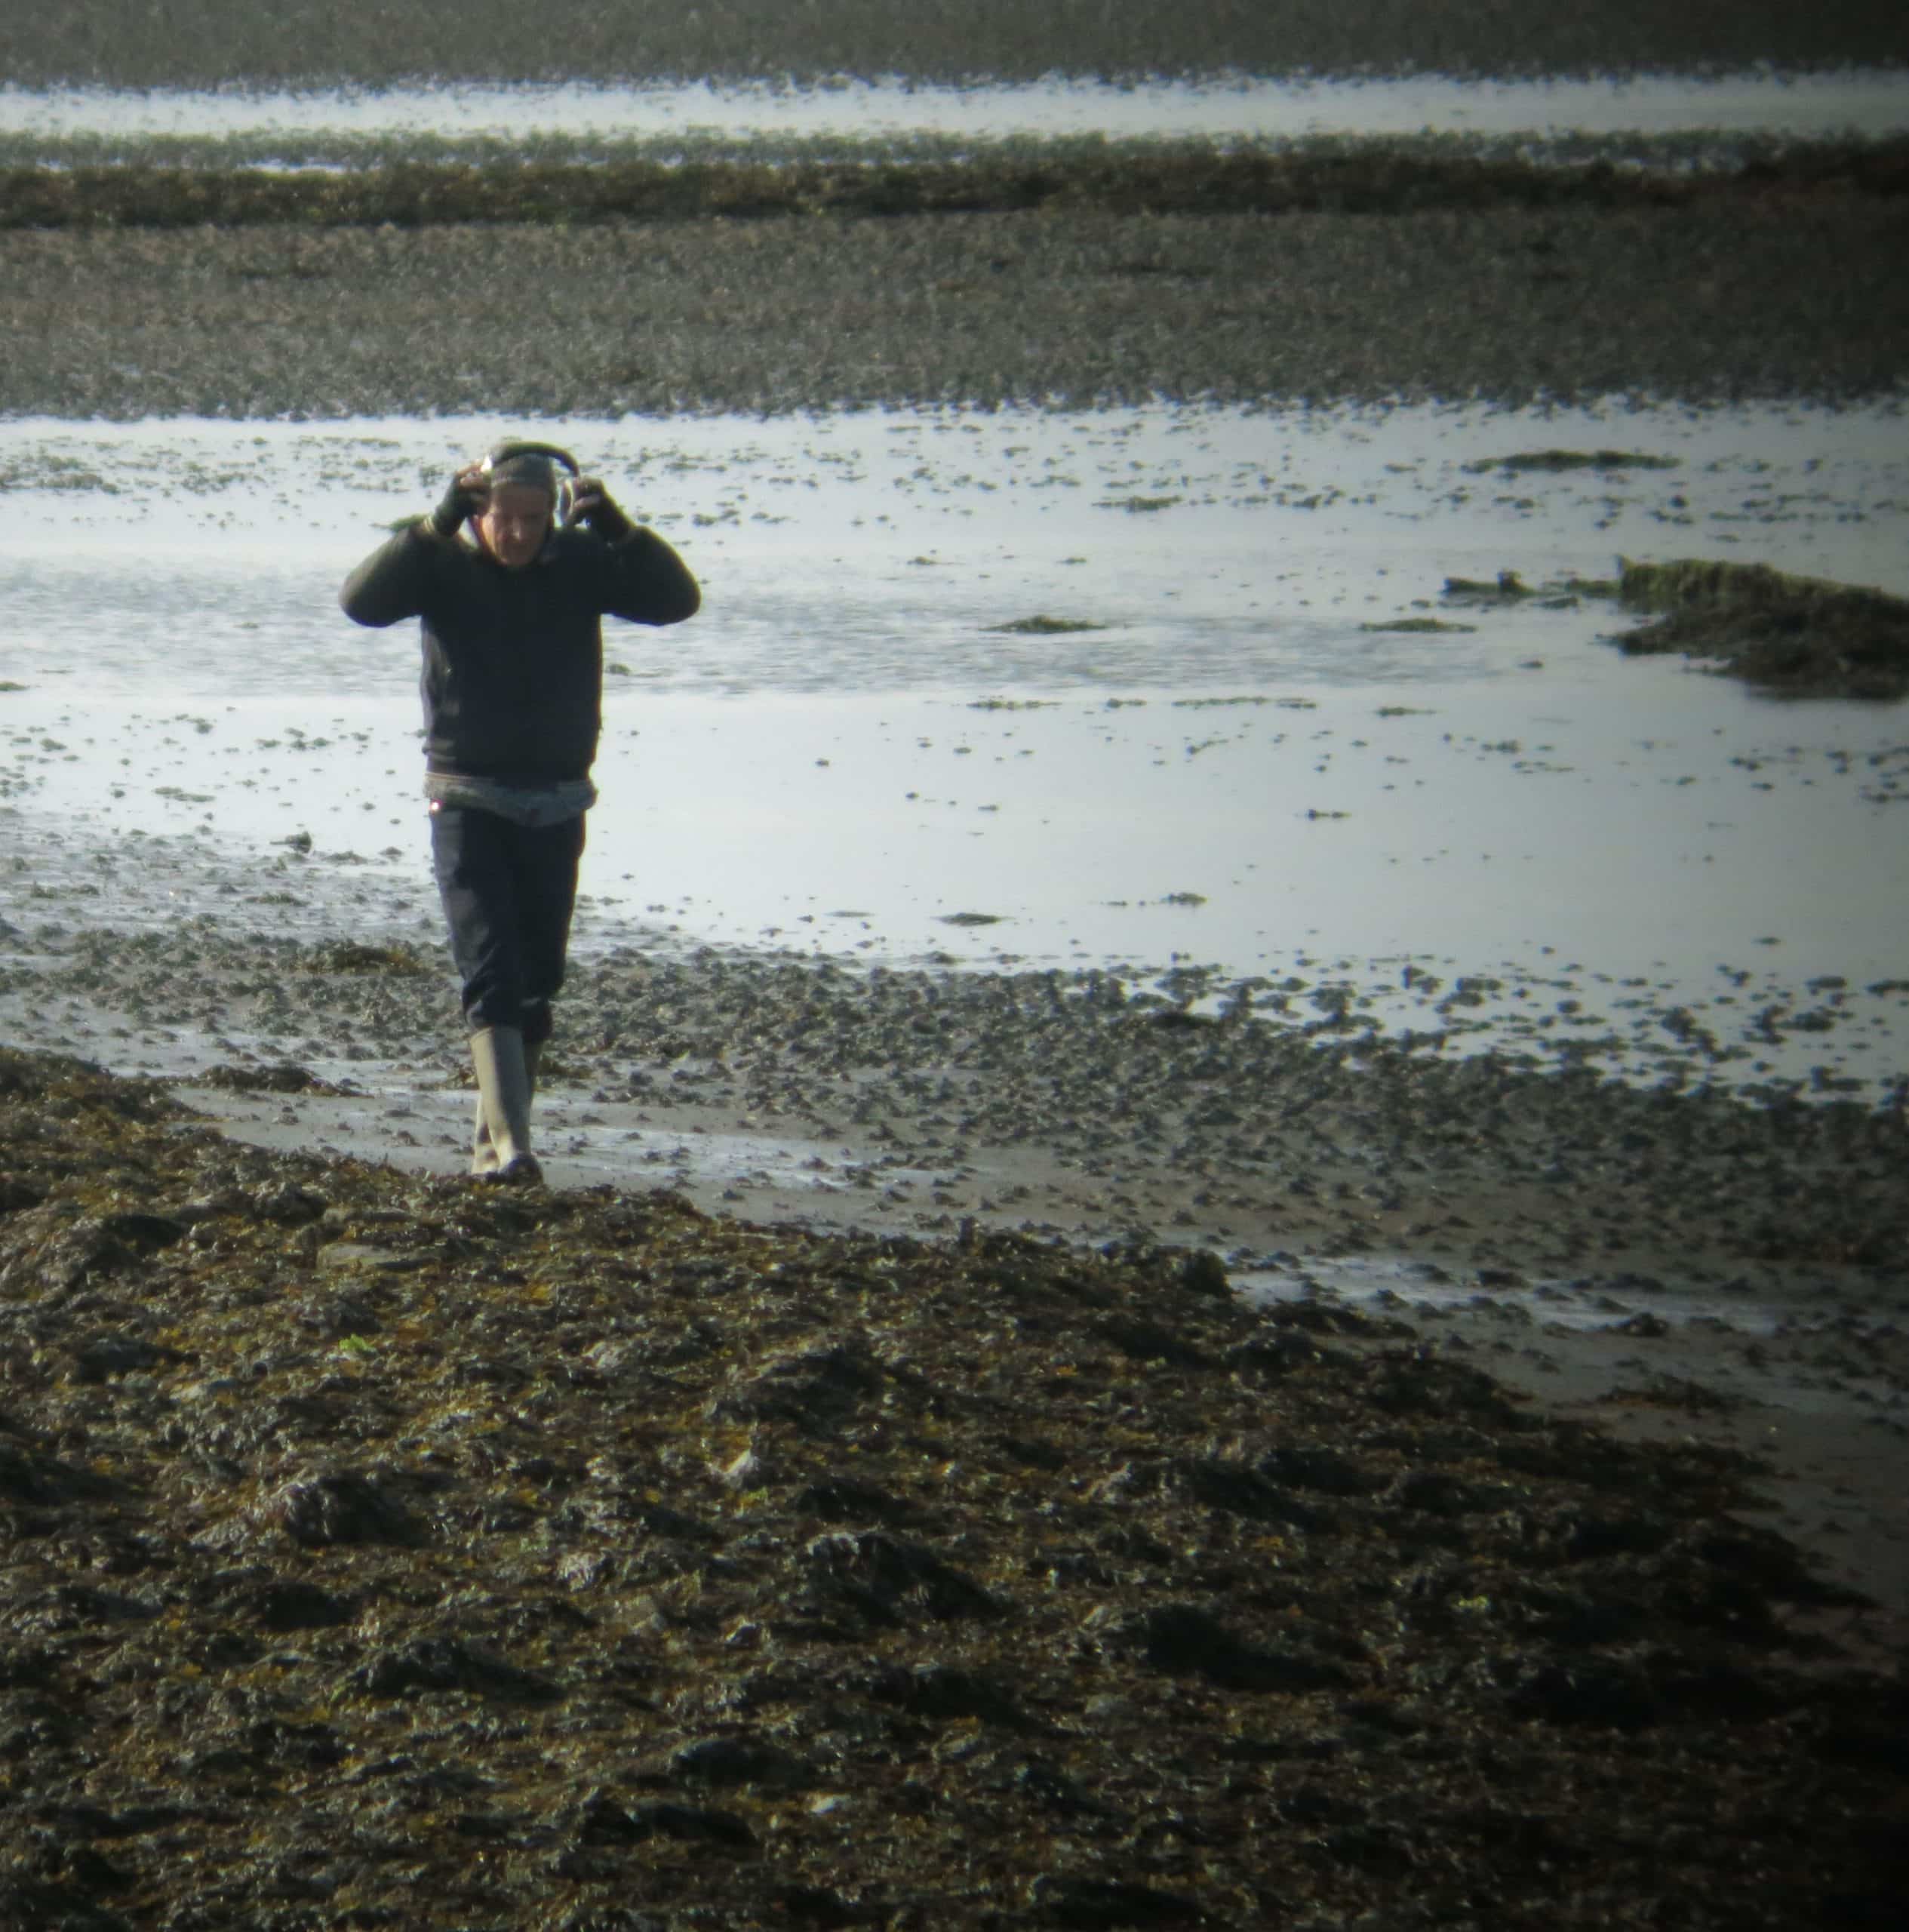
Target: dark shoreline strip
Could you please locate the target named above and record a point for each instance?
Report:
(236, 43)
(1197, 181)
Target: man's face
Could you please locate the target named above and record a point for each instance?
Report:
(514, 525)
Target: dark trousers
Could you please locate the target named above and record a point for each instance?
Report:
(508, 891)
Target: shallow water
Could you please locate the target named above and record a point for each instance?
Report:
(1865, 103)
(845, 753)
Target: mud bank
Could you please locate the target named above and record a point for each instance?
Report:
(1703, 304)
(150, 186)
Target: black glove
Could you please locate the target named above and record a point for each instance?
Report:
(598, 513)
(459, 503)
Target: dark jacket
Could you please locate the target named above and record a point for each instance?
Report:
(513, 659)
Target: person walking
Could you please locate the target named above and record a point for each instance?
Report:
(511, 576)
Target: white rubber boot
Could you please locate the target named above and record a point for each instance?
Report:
(503, 1079)
(483, 1152)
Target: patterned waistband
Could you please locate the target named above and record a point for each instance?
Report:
(522, 804)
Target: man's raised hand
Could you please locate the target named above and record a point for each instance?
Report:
(466, 496)
(592, 506)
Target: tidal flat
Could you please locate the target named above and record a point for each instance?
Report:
(1060, 1382)
(786, 1654)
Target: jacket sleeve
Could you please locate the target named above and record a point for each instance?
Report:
(645, 582)
(391, 583)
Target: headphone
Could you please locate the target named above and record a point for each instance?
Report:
(502, 453)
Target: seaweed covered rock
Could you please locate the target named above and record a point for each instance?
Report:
(1800, 635)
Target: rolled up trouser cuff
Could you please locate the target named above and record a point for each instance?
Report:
(532, 1018)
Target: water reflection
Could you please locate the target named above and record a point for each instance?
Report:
(861, 739)
(1015, 552)
(1870, 103)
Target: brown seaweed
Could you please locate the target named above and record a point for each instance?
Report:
(601, 1563)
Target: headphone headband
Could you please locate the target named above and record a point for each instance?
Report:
(535, 466)
(499, 454)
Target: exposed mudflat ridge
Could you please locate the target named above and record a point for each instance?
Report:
(1706, 302)
(153, 189)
